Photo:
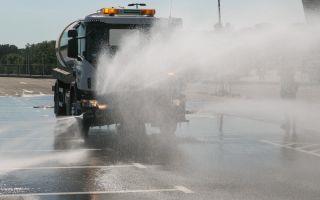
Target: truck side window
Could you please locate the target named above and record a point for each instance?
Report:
(82, 40)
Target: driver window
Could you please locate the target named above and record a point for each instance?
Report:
(82, 40)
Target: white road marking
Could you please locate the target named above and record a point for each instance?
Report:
(27, 91)
(184, 189)
(290, 144)
(215, 139)
(39, 138)
(175, 189)
(45, 150)
(66, 167)
(23, 83)
(315, 151)
(138, 165)
(214, 116)
(308, 146)
(289, 147)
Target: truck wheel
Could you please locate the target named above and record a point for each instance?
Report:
(85, 131)
(168, 129)
(84, 128)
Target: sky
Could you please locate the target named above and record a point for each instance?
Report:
(31, 21)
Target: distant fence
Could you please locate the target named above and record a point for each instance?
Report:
(32, 70)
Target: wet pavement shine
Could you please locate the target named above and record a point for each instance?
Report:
(44, 158)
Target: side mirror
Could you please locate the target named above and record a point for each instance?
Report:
(73, 48)
(72, 33)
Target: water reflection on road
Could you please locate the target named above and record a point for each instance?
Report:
(247, 159)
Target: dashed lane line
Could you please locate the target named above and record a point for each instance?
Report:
(316, 150)
(138, 165)
(184, 189)
(290, 144)
(309, 146)
(289, 147)
(175, 189)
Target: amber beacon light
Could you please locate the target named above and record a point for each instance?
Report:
(148, 12)
(110, 11)
(115, 11)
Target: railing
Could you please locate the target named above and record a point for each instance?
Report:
(32, 70)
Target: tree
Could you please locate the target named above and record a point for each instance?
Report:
(38, 58)
(12, 59)
(7, 49)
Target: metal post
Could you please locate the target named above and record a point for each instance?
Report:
(43, 66)
(28, 64)
(170, 9)
(219, 12)
(25, 65)
(221, 123)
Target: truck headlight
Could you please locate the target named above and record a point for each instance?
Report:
(102, 106)
(89, 103)
(93, 104)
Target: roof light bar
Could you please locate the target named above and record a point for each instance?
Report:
(115, 11)
(148, 12)
(110, 11)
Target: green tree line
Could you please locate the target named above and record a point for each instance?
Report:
(40, 53)
(31, 59)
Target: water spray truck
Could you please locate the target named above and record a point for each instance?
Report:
(77, 50)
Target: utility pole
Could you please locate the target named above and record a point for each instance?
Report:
(170, 9)
(219, 12)
(43, 65)
(312, 11)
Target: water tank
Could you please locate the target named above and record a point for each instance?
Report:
(62, 46)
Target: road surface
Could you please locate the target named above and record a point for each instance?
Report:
(41, 158)
(12, 86)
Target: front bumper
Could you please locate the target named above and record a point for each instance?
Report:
(152, 112)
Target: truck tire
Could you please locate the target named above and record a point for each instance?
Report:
(85, 128)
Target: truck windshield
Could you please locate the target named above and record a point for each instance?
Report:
(101, 35)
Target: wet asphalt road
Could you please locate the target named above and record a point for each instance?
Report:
(247, 160)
